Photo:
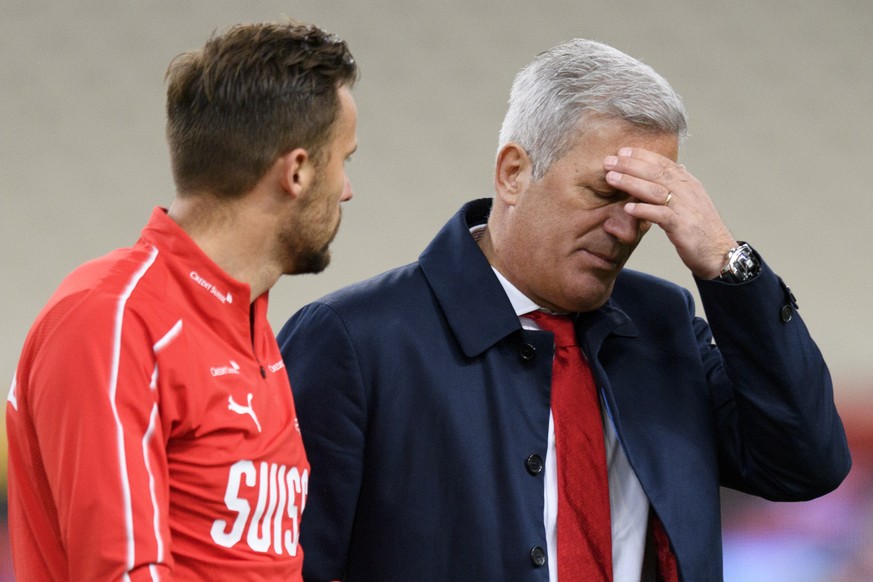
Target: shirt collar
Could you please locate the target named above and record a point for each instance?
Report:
(521, 303)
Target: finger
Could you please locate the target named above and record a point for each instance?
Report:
(648, 165)
(642, 189)
(660, 215)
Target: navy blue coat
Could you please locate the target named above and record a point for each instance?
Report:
(420, 398)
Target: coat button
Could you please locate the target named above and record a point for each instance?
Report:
(527, 352)
(534, 464)
(538, 556)
(786, 313)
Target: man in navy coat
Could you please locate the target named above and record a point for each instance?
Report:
(424, 393)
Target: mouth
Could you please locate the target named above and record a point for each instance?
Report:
(603, 260)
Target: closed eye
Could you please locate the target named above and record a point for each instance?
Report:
(610, 194)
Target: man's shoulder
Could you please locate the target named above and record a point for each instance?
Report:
(86, 302)
(92, 291)
(366, 306)
(382, 289)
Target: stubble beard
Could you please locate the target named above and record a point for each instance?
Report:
(303, 256)
(312, 261)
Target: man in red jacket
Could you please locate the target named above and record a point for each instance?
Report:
(151, 429)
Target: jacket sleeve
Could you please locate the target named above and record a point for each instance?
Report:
(780, 436)
(96, 418)
(318, 353)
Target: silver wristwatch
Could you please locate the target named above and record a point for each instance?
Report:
(742, 264)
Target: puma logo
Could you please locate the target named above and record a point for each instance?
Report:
(240, 409)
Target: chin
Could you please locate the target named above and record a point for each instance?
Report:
(589, 300)
(312, 262)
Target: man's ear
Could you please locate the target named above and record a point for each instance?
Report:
(512, 172)
(297, 172)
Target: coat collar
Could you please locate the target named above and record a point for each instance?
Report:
(473, 301)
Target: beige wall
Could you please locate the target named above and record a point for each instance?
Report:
(779, 94)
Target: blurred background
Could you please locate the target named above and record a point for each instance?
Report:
(779, 96)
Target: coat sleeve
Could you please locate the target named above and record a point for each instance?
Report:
(318, 353)
(101, 445)
(780, 436)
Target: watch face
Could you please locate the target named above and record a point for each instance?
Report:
(742, 265)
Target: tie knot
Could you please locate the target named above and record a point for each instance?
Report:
(560, 325)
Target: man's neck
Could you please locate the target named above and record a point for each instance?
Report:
(231, 234)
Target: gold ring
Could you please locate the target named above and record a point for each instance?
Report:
(669, 197)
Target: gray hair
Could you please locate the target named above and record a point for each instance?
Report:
(579, 77)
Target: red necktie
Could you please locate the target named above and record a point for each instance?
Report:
(584, 528)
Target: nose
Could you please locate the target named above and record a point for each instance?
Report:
(624, 227)
(347, 190)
